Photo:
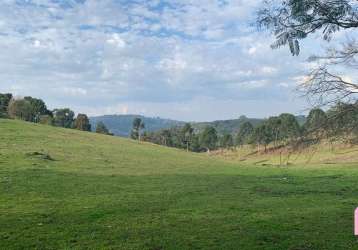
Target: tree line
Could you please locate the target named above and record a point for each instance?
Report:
(340, 121)
(35, 110)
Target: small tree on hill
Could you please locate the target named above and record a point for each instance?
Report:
(165, 137)
(262, 135)
(4, 104)
(245, 133)
(82, 123)
(195, 144)
(343, 120)
(38, 108)
(226, 141)
(209, 138)
(290, 129)
(137, 127)
(316, 122)
(63, 118)
(187, 132)
(101, 128)
(274, 124)
(20, 109)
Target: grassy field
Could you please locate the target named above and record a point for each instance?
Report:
(65, 189)
(324, 153)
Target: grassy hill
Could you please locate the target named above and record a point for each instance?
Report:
(324, 153)
(66, 189)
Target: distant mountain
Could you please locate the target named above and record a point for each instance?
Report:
(121, 125)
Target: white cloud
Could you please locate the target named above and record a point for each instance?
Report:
(269, 70)
(117, 41)
(118, 54)
(252, 50)
(74, 91)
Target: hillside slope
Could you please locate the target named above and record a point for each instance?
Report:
(321, 153)
(66, 189)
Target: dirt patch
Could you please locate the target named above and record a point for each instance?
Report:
(40, 155)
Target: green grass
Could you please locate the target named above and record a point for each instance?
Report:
(65, 189)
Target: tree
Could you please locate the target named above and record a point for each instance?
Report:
(343, 119)
(316, 122)
(289, 129)
(187, 132)
(245, 133)
(101, 128)
(82, 123)
(166, 137)
(195, 144)
(226, 141)
(262, 135)
(137, 126)
(293, 20)
(4, 103)
(209, 138)
(275, 125)
(20, 109)
(63, 118)
(38, 108)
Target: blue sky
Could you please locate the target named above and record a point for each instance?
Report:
(190, 60)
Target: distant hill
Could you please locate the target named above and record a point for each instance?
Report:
(121, 124)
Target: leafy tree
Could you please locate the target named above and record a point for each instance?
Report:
(82, 123)
(226, 141)
(275, 125)
(137, 126)
(316, 121)
(290, 128)
(195, 144)
(38, 108)
(63, 118)
(166, 137)
(245, 133)
(187, 132)
(262, 135)
(4, 103)
(343, 119)
(20, 109)
(101, 128)
(293, 20)
(209, 138)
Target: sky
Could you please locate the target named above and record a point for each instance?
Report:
(191, 60)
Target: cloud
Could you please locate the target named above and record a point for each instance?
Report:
(117, 41)
(135, 56)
